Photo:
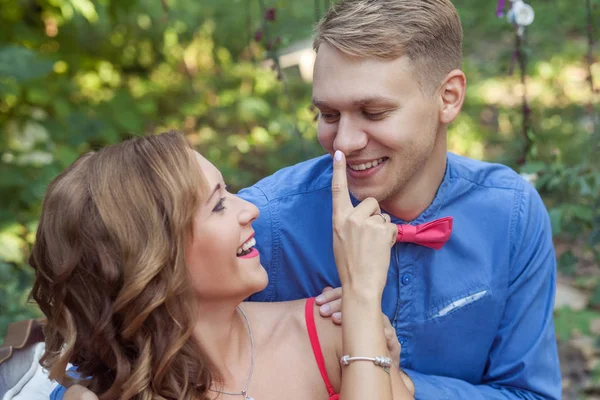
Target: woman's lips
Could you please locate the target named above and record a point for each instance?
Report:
(253, 253)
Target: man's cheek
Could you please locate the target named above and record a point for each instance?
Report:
(326, 138)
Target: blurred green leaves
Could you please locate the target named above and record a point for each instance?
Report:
(76, 75)
(23, 64)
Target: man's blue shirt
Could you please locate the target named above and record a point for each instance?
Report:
(474, 318)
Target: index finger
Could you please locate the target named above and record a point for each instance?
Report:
(339, 186)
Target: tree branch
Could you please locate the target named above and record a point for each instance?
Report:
(525, 110)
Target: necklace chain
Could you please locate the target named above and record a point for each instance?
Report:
(245, 391)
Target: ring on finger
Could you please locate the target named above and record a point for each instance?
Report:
(382, 216)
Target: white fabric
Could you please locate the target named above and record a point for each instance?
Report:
(34, 384)
(455, 305)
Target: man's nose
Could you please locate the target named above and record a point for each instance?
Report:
(349, 137)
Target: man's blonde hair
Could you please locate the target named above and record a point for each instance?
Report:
(429, 32)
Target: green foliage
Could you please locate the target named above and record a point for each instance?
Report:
(76, 75)
(23, 64)
(564, 132)
(568, 322)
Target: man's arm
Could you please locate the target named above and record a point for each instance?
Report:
(523, 361)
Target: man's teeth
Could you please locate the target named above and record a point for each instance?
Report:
(370, 164)
(246, 246)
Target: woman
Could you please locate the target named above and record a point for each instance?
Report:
(143, 260)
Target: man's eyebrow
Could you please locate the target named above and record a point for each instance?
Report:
(319, 103)
(215, 190)
(375, 100)
(365, 101)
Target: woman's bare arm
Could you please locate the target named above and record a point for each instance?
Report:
(333, 298)
(77, 392)
(331, 340)
(362, 241)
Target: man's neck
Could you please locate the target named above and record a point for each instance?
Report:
(420, 191)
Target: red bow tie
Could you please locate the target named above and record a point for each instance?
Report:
(432, 234)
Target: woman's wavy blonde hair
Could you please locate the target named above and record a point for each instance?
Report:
(110, 272)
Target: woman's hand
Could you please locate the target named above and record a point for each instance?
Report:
(362, 237)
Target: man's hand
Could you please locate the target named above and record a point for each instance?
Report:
(77, 392)
(330, 302)
(410, 385)
(391, 340)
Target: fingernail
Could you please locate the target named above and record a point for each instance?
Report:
(319, 298)
(325, 309)
(337, 156)
(337, 315)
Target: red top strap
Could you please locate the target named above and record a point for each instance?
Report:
(316, 346)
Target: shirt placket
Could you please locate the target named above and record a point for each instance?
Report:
(404, 257)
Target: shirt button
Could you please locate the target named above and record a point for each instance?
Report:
(406, 279)
(402, 340)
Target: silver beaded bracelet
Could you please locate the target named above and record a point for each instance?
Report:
(380, 361)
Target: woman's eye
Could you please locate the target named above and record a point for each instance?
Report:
(220, 205)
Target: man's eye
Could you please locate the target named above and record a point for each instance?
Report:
(220, 205)
(330, 117)
(375, 116)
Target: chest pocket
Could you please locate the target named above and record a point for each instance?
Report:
(462, 327)
(461, 301)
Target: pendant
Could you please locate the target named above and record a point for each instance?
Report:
(246, 397)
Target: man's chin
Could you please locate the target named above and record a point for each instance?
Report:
(364, 193)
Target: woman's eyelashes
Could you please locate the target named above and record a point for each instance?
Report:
(220, 205)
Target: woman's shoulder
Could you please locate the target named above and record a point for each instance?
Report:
(276, 325)
(275, 314)
(290, 312)
(283, 324)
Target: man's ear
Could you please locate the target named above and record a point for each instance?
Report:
(452, 95)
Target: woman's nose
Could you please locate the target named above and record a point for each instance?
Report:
(248, 212)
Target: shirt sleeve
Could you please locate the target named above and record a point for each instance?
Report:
(523, 361)
(266, 241)
(58, 393)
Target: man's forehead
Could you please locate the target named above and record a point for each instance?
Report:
(360, 84)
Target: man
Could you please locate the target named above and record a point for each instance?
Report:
(475, 317)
